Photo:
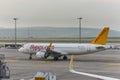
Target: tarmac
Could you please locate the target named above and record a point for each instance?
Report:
(105, 63)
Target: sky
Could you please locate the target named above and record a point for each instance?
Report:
(60, 13)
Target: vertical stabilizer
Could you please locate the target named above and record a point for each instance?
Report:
(102, 37)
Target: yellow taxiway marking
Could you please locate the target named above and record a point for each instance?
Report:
(114, 64)
(11, 60)
(44, 61)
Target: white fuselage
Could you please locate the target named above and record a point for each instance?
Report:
(63, 48)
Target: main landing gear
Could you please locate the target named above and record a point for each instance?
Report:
(64, 58)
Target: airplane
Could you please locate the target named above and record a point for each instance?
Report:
(57, 50)
(71, 69)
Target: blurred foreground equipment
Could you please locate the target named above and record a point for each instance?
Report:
(4, 70)
(44, 76)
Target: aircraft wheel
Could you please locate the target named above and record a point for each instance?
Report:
(64, 57)
(55, 58)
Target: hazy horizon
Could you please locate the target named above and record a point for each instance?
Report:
(44, 32)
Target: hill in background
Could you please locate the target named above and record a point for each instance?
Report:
(50, 32)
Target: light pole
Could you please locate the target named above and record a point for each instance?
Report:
(80, 18)
(15, 31)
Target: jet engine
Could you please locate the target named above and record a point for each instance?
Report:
(40, 54)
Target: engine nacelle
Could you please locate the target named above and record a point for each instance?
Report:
(40, 54)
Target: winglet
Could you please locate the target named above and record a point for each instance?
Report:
(71, 65)
(50, 46)
(102, 37)
(47, 53)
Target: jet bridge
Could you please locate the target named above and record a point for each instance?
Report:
(4, 70)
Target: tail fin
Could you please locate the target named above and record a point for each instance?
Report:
(102, 37)
(71, 62)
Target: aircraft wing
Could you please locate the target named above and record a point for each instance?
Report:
(53, 52)
(57, 52)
